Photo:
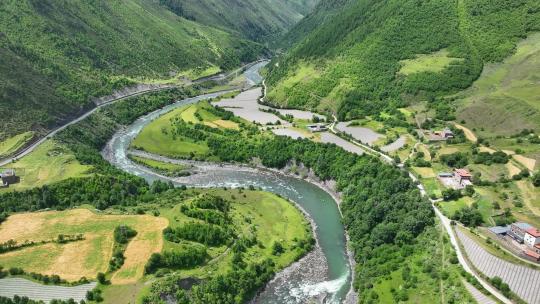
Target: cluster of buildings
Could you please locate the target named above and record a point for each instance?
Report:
(8, 177)
(458, 179)
(525, 235)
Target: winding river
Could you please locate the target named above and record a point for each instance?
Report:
(324, 274)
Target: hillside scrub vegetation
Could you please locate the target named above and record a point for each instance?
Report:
(359, 52)
(259, 20)
(55, 56)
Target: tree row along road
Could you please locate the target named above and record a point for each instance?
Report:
(28, 149)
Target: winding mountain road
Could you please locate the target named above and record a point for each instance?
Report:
(144, 90)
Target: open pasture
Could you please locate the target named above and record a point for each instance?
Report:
(49, 163)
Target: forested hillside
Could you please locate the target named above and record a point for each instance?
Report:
(56, 55)
(260, 20)
(352, 61)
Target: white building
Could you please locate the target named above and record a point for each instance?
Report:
(532, 237)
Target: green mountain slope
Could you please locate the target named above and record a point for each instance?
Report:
(259, 20)
(55, 55)
(368, 56)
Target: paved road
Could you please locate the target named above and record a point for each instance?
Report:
(142, 91)
(446, 223)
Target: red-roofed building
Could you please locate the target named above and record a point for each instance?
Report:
(463, 177)
(532, 237)
(532, 254)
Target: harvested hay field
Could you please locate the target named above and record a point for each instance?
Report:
(529, 163)
(84, 258)
(512, 169)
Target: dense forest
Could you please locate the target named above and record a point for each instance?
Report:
(355, 53)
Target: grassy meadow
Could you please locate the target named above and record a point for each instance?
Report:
(434, 62)
(12, 144)
(506, 98)
(157, 137)
(49, 163)
(267, 216)
(152, 138)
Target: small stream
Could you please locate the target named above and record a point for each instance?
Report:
(324, 274)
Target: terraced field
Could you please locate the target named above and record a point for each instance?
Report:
(523, 281)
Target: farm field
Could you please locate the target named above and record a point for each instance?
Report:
(84, 258)
(267, 217)
(49, 163)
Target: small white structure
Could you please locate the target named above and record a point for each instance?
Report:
(532, 237)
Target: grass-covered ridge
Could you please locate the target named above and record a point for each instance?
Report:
(505, 99)
(56, 55)
(359, 51)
